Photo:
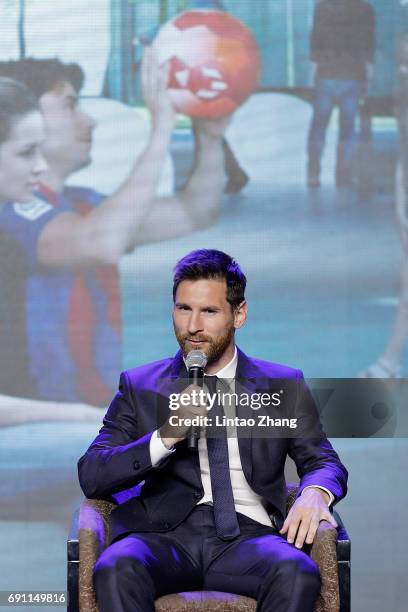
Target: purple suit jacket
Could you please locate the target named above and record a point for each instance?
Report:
(119, 457)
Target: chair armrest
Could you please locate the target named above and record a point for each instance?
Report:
(323, 551)
(93, 529)
(343, 540)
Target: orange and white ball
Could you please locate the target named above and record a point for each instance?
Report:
(214, 62)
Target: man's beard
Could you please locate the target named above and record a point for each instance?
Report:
(214, 349)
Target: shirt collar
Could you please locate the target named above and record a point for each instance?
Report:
(229, 370)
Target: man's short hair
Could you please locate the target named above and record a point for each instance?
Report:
(212, 264)
(43, 75)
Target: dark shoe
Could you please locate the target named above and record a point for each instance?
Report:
(236, 182)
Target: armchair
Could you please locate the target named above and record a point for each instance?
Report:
(89, 536)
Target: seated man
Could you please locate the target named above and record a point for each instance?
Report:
(212, 519)
(72, 238)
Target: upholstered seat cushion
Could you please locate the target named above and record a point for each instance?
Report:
(205, 601)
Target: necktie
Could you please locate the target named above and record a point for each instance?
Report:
(226, 522)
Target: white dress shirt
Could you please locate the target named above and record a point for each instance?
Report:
(246, 500)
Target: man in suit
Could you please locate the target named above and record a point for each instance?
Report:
(72, 238)
(215, 519)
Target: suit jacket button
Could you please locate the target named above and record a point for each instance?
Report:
(136, 465)
(166, 525)
(197, 495)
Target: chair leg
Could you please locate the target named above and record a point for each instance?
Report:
(72, 586)
(344, 585)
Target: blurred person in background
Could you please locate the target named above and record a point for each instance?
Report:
(388, 364)
(21, 165)
(342, 47)
(71, 238)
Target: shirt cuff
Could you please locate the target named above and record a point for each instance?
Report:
(331, 496)
(158, 451)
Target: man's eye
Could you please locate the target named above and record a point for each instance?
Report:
(210, 310)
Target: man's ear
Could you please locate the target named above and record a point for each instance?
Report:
(240, 314)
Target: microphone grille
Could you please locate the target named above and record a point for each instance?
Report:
(196, 359)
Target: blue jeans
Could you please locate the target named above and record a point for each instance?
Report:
(330, 93)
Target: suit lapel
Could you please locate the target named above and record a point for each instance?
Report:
(178, 368)
(246, 383)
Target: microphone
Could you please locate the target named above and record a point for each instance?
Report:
(195, 363)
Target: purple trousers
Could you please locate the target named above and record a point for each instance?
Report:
(137, 569)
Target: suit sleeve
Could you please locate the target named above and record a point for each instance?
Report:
(317, 463)
(119, 457)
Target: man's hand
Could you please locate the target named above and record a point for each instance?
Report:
(176, 428)
(155, 94)
(305, 515)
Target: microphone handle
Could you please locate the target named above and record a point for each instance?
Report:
(195, 377)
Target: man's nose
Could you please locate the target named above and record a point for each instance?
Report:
(195, 323)
(89, 121)
(40, 164)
